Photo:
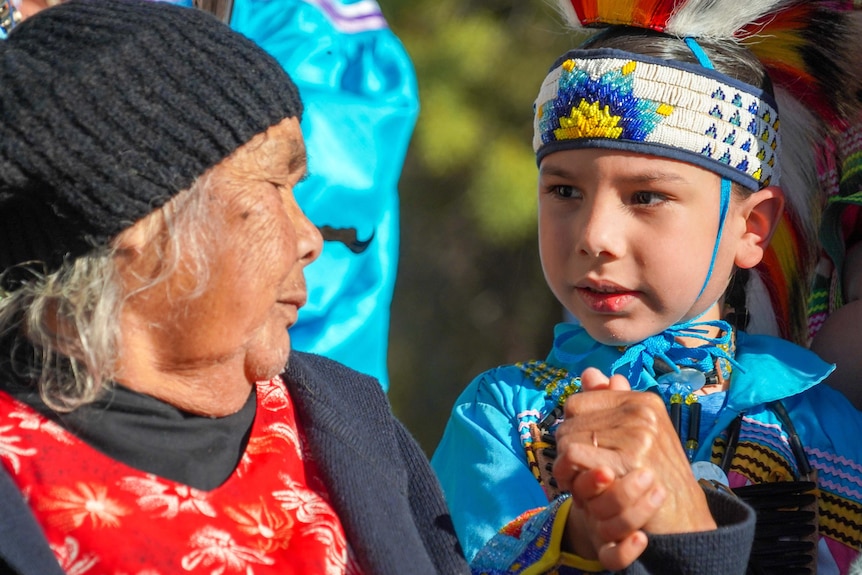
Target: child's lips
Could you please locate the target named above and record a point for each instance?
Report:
(606, 301)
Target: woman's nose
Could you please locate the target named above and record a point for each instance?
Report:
(308, 238)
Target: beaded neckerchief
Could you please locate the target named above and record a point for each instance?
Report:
(678, 387)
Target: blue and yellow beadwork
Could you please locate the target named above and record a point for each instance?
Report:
(619, 100)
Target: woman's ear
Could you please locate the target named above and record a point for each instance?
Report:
(762, 211)
(139, 250)
(134, 238)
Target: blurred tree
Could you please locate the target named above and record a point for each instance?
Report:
(470, 293)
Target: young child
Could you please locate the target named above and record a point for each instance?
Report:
(659, 165)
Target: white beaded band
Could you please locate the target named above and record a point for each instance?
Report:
(619, 100)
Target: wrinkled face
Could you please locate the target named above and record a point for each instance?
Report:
(626, 240)
(257, 243)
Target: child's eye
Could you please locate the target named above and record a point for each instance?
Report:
(565, 192)
(647, 198)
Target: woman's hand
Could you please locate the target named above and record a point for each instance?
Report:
(619, 456)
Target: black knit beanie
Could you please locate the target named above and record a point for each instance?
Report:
(108, 108)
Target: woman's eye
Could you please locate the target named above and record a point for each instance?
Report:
(647, 198)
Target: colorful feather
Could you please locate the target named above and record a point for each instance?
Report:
(810, 48)
(652, 15)
(786, 282)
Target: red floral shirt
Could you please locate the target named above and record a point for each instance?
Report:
(272, 515)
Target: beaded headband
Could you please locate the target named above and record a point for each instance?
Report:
(608, 98)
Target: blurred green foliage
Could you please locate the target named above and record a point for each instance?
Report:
(470, 293)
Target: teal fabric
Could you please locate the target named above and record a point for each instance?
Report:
(361, 102)
(481, 463)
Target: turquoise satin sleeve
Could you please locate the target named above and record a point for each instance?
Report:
(480, 460)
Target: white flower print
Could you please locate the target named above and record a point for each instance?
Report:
(29, 419)
(273, 528)
(216, 548)
(11, 452)
(68, 508)
(272, 394)
(68, 556)
(289, 434)
(336, 547)
(270, 441)
(170, 499)
(244, 461)
(308, 504)
(33, 421)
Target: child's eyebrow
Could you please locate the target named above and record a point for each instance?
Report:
(552, 170)
(653, 178)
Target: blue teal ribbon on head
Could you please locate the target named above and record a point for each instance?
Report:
(724, 206)
(699, 53)
(703, 60)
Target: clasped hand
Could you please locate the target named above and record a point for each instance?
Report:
(621, 459)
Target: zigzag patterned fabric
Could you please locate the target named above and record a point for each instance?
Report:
(763, 456)
(841, 226)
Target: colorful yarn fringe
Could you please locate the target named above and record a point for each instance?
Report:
(841, 227)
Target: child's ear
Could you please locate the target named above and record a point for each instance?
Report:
(762, 211)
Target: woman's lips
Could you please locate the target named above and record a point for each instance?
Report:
(606, 301)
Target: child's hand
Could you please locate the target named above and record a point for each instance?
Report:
(608, 513)
(593, 379)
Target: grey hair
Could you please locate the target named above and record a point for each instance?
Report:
(70, 318)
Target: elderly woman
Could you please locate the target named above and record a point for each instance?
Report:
(153, 256)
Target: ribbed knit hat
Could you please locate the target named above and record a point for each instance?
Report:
(108, 108)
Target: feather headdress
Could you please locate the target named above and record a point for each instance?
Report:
(807, 48)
